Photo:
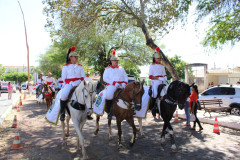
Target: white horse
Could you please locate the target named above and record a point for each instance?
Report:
(82, 99)
(163, 92)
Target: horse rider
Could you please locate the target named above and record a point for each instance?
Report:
(51, 82)
(158, 76)
(115, 77)
(39, 81)
(87, 78)
(60, 83)
(72, 74)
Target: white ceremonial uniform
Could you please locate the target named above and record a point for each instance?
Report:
(72, 75)
(115, 78)
(157, 70)
(51, 82)
(39, 82)
(60, 82)
(88, 79)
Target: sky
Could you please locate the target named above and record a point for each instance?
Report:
(184, 42)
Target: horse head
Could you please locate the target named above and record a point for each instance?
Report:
(178, 92)
(85, 93)
(136, 91)
(46, 88)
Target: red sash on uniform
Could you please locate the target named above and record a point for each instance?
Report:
(67, 81)
(49, 83)
(120, 82)
(60, 82)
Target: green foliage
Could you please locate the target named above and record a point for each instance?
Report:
(17, 76)
(179, 65)
(224, 21)
(2, 70)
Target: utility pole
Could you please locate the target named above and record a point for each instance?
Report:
(26, 43)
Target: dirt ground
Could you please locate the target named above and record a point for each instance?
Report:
(42, 141)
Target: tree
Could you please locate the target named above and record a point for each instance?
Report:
(17, 76)
(149, 16)
(179, 65)
(2, 70)
(224, 21)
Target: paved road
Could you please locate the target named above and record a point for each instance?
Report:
(6, 103)
(41, 140)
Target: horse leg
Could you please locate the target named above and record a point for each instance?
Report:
(67, 119)
(97, 124)
(78, 126)
(109, 128)
(63, 133)
(163, 141)
(131, 123)
(140, 127)
(119, 133)
(173, 147)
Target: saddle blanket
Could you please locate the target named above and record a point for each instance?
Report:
(145, 104)
(53, 112)
(99, 104)
(39, 99)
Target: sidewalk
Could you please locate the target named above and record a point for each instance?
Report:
(229, 121)
(6, 105)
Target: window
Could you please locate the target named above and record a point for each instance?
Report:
(227, 91)
(212, 91)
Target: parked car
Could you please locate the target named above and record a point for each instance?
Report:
(4, 87)
(229, 94)
(24, 86)
(131, 78)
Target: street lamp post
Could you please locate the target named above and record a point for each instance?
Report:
(26, 43)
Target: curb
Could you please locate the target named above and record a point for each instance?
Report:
(8, 109)
(209, 121)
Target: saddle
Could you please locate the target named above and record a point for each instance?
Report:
(74, 104)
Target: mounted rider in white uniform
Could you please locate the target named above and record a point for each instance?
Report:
(72, 75)
(87, 78)
(158, 76)
(39, 81)
(115, 77)
(51, 82)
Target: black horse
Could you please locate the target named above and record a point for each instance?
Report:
(177, 94)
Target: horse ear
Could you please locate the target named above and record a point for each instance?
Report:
(192, 85)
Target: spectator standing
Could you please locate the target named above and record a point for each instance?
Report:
(10, 89)
(187, 113)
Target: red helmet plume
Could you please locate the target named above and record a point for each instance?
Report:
(113, 52)
(157, 49)
(73, 48)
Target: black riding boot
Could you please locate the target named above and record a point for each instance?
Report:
(109, 104)
(63, 106)
(153, 107)
(53, 95)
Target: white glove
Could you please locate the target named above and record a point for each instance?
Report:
(76, 83)
(117, 85)
(123, 85)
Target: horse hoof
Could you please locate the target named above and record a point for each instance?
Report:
(110, 138)
(174, 148)
(138, 129)
(131, 144)
(143, 136)
(120, 146)
(66, 135)
(95, 133)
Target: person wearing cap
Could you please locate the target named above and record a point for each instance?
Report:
(39, 82)
(158, 76)
(60, 83)
(115, 77)
(72, 75)
(51, 82)
(87, 78)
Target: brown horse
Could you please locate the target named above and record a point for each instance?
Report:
(48, 95)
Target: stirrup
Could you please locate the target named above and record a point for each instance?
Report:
(89, 117)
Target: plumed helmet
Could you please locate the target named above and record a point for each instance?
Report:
(71, 53)
(157, 53)
(88, 72)
(114, 57)
(49, 73)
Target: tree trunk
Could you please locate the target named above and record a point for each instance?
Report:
(151, 44)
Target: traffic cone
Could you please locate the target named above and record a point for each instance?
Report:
(18, 109)
(20, 101)
(16, 141)
(216, 127)
(14, 125)
(176, 117)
